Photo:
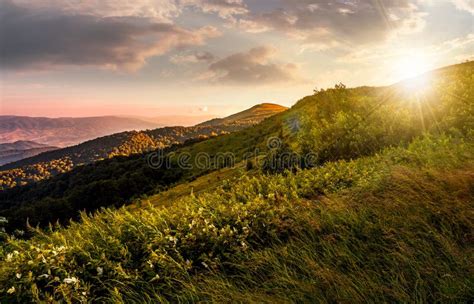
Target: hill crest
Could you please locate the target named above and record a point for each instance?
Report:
(253, 114)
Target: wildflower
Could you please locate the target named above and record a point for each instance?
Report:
(9, 257)
(18, 275)
(70, 280)
(11, 290)
(150, 263)
(156, 277)
(100, 271)
(45, 276)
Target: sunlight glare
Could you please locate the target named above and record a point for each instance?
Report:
(411, 70)
(412, 66)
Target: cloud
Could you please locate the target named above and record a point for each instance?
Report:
(387, 52)
(465, 5)
(253, 67)
(42, 39)
(342, 22)
(193, 57)
(159, 10)
(224, 8)
(456, 44)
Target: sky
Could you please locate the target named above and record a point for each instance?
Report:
(214, 57)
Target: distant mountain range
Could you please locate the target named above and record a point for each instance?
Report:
(63, 132)
(176, 120)
(127, 143)
(10, 152)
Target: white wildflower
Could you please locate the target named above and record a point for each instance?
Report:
(9, 257)
(100, 271)
(11, 290)
(150, 263)
(18, 275)
(72, 280)
(156, 277)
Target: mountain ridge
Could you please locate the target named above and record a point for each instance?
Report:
(124, 144)
(11, 152)
(65, 131)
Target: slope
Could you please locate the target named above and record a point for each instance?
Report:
(366, 230)
(334, 124)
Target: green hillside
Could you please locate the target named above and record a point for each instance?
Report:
(381, 211)
(364, 230)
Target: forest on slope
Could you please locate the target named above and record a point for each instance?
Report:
(384, 205)
(49, 164)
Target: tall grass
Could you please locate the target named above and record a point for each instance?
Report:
(394, 227)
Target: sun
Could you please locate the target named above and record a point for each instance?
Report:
(411, 66)
(412, 71)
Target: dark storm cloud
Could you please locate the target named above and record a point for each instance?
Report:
(36, 39)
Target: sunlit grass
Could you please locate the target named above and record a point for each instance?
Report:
(364, 230)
